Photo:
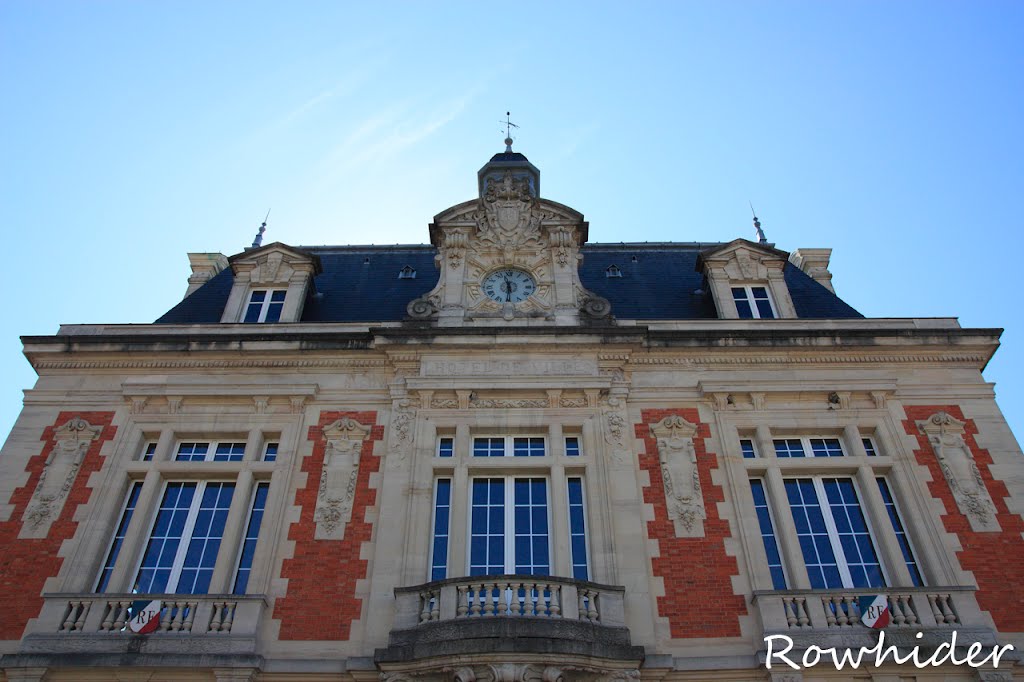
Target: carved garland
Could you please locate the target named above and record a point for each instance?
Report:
(339, 476)
(72, 441)
(946, 435)
(683, 495)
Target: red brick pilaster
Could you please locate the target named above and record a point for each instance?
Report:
(699, 599)
(996, 559)
(321, 601)
(25, 564)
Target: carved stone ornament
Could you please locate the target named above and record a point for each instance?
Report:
(509, 219)
(946, 435)
(269, 270)
(683, 495)
(339, 477)
(402, 422)
(596, 307)
(71, 442)
(421, 309)
(513, 672)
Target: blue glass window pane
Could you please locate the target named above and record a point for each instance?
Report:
(789, 447)
(869, 447)
(274, 312)
(901, 535)
(278, 296)
(119, 536)
(743, 309)
(747, 448)
(577, 529)
(270, 452)
(764, 309)
(445, 447)
(252, 532)
(572, 447)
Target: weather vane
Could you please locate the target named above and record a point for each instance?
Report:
(509, 125)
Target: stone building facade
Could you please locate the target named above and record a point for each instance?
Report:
(507, 456)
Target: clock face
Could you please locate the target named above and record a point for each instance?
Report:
(509, 285)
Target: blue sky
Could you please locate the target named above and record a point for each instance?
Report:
(133, 133)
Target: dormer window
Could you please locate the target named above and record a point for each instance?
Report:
(265, 305)
(407, 273)
(753, 302)
(613, 271)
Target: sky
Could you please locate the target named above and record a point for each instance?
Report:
(132, 133)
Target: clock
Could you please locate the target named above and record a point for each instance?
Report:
(509, 285)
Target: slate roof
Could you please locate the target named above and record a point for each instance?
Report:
(360, 284)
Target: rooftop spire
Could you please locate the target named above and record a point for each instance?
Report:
(761, 239)
(259, 235)
(509, 125)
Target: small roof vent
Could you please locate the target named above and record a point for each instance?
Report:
(407, 273)
(613, 271)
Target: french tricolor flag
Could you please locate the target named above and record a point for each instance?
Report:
(874, 611)
(145, 616)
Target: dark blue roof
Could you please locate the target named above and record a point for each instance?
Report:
(361, 284)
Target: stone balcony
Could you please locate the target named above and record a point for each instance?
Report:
(832, 618)
(91, 629)
(537, 620)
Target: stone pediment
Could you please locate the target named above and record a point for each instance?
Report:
(274, 263)
(743, 259)
(471, 213)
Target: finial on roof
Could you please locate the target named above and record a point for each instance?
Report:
(259, 235)
(509, 125)
(761, 239)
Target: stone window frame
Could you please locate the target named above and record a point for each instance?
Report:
(556, 467)
(272, 267)
(855, 464)
(126, 470)
(742, 263)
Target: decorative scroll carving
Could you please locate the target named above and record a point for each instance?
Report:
(421, 309)
(596, 307)
(513, 672)
(946, 435)
(683, 494)
(487, 403)
(71, 442)
(339, 476)
(402, 422)
(509, 219)
(572, 402)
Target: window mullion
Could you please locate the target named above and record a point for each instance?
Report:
(510, 529)
(833, 532)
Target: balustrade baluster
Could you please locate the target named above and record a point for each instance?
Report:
(531, 607)
(83, 607)
(463, 601)
(229, 616)
(830, 611)
(594, 613)
(435, 604)
(121, 614)
(936, 612)
(189, 615)
(908, 610)
(803, 618)
(475, 609)
(947, 609)
(424, 606)
(488, 599)
(556, 601)
(216, 616)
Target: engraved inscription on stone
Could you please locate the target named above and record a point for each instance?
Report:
(509, 367)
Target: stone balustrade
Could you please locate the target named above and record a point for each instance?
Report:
(512, 596)
(81, 615)
(920, 607)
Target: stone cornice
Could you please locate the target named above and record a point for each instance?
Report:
(854, 342)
